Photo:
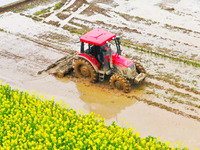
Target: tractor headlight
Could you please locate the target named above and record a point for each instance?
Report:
(132, 71)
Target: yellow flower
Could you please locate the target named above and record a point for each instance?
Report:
(40, 125)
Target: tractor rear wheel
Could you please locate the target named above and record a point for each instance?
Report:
(119, 82)
(83, 69)
(140, 68)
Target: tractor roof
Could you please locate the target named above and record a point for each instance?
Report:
(97, 37)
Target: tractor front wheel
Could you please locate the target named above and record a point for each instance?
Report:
(83, 69)
(119, 82)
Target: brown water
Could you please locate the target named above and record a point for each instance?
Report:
(104, 102)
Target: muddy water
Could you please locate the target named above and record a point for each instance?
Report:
(104, 102)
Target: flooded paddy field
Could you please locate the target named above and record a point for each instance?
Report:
(163, 35)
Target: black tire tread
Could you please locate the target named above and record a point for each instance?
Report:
(125, 82)
(94, 75)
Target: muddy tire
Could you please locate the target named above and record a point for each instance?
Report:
(119, 82)
(140, 68)
(83, 69)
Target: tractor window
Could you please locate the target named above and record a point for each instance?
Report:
(92, 49)
(113, 46)
(105, 49)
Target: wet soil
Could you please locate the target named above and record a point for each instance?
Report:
(161, 35)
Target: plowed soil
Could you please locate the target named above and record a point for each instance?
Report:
(162, 35)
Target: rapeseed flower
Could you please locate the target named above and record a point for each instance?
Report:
(32, 122)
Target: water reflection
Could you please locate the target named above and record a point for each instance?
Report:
(108, 103)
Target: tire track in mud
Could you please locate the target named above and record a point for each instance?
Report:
(177, 85)
(162, 106)
(181, 76)
(195, 101)
(11, 56)
(185, 108)
(26, 58)
(56, 48)
(74, 6)
(172, 92)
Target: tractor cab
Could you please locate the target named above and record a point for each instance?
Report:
(99, 47)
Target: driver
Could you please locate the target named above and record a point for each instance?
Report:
(98, 53)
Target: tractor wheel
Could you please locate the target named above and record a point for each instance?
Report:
(83, 69)
(140, 68)
(119, 82)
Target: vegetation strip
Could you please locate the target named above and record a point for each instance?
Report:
(32, 122)
(188, 62)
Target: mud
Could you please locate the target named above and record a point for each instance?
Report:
(162, 35)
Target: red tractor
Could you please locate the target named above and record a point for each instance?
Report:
(98, 60)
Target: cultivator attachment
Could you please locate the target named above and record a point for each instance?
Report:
(62, 66)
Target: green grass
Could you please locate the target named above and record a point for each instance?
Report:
(23, 8)
(2, 30)
(43, 11)
(58, 6)
(75, 30)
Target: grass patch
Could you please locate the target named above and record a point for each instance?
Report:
(43, 11)
(36, 18)
(75, 30)
(32, 122)
(58, 6)
(23, 8)
(2, 30)
(62, 16)
(55, 23)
